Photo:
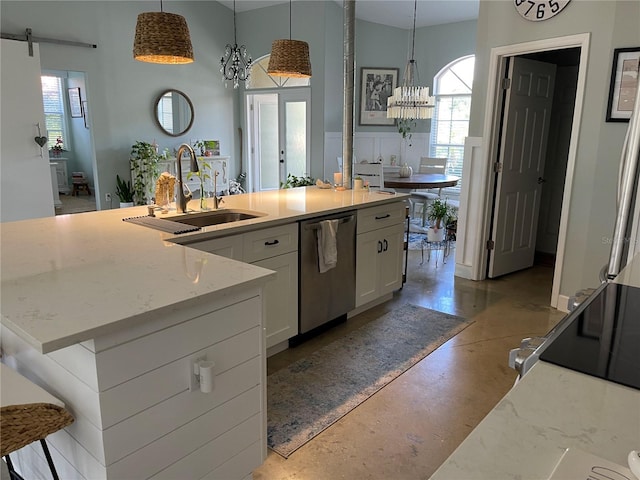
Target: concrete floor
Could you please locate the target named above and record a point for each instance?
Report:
(410, 427)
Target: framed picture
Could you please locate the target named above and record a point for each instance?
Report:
(85, 114)
(74, 102)
(624, 84)
(212, 148)
(376, 85)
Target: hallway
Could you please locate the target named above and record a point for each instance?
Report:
(410, 427)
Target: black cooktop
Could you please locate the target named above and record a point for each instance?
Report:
(602, 336)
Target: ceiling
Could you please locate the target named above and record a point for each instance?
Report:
(395, 13)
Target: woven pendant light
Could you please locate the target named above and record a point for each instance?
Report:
(289, 58)
(162, 38)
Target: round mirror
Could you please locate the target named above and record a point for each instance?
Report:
(174, 112)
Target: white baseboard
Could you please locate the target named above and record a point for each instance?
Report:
(563, 303)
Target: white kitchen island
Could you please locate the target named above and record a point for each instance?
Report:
(549, 410)
(109, 317)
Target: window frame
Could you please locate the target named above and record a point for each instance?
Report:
(454, 162)
(63, 113)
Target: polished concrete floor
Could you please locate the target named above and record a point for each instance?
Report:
(410, 427)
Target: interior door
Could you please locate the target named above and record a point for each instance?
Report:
(523, 144)
(25, 179)
(280, 139)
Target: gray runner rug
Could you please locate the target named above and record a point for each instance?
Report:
(311, 394)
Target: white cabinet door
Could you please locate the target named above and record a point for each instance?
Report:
(378, 263)
(281, 298)
(390, 269)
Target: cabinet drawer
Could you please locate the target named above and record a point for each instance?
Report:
(229, 247)
(382, 216)
(270, 242)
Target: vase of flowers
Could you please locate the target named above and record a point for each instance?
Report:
(58, 148)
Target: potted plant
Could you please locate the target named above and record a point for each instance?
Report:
(124, 192)
(438, 213)
(404, 128)
(203, 174)
(144, 171)
(58, 148)
(293, 181)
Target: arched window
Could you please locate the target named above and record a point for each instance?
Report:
(260, 79)
(450, 121)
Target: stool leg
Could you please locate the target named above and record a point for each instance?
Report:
(13, 475)
(49, 460)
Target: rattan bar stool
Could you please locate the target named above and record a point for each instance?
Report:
(27, 414)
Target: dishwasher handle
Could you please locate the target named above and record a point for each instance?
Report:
(316, 226)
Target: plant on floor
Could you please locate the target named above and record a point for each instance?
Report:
(439, 213)
(293, 181)
(144, 171)
(124, 190)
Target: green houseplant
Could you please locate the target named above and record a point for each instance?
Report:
(203, 174)
(144, 171)
(438, 213)
(124, 191)
(293, 181)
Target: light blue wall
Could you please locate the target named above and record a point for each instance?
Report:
(122, 91)
(612, 24)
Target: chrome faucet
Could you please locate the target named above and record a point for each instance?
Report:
(216, 199)
(182, 200)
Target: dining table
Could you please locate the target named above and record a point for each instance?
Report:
(419, 181)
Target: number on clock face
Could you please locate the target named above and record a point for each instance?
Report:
(538, 10)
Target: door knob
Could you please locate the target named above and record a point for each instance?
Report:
(541, 180)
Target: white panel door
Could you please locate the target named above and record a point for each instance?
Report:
(522, 156)
(25, 176)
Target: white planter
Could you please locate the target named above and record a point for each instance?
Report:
(126, 204)
(436, 235)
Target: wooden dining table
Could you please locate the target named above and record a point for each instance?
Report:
(420, 180)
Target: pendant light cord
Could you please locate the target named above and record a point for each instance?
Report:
(290, 19)
(413, 41)
(235, 41)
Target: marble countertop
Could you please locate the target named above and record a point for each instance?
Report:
(549, 410)
(70, 278)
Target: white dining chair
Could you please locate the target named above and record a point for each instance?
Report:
(371, 173)
(422, 198)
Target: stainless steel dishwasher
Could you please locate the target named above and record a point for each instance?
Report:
(327, 296)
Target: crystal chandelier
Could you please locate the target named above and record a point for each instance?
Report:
(410, 101)
(235, 64)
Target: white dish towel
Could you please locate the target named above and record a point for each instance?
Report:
(327, 247)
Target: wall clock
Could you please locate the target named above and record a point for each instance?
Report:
(538, 10)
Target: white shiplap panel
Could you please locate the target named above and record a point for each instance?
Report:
(170, 316)
(142, 355)
(80, 362)
(140, 393)
(149, 425)
(236, 467)
(181, 442)
(203, 460)
(78, 398)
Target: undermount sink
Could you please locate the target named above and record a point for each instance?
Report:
(215, 217)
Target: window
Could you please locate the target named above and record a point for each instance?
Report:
(259, 77)
(450, 121)
(54, 110)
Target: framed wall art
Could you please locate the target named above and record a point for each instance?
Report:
(376, 85)
(624, 84)
(75, 104)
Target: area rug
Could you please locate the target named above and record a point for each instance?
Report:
(314, 392)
